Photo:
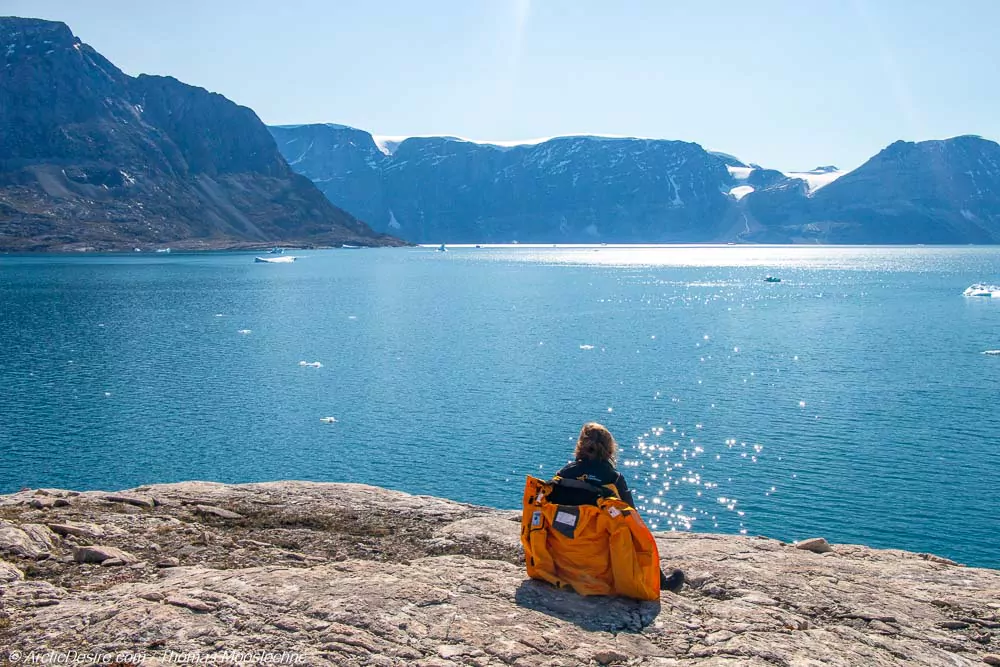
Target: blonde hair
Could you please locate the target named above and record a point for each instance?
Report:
(596, 444)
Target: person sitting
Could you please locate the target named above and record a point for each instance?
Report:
(594, 461)
(563, 540)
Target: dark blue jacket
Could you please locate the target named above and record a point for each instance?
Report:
(597, 473)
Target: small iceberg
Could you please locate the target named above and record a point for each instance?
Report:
(980, 289)
(992, 353)
(280, 259)
(328, 420)
(244, 331)
(310, 364)
(586, 347)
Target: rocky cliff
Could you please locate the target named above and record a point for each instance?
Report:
(346, 574)
(93, 158)
(587, 189)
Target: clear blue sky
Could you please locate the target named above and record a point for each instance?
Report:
(785, 83)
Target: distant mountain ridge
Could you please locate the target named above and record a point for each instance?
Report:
(615, 189)
(566, 188)
(94, 158)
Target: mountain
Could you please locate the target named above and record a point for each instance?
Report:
(945, 191)
(586, 189)
(94, 158)
(580, 188)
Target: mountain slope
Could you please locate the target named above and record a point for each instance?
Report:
(945, 191)
(586, 189)
(926, 192)
(93, 158)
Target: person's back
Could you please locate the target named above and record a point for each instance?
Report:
(593, 471)
(594, 462)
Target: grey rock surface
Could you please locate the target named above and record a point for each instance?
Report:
(99, 553)
(23, 540)
(89, 531)
(9, 573)
(347, 574)
(135, 499)
(817, 545)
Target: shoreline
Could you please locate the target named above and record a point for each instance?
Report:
(349, 574)
(193, 246)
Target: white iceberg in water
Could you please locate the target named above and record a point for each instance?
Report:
(311, 364)
(586, 347)
(980, 289)
(328, 420)
(282, 259)
(992, 353)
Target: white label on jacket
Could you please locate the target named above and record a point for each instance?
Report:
(536, 518)
(614, 512)
(566, 518)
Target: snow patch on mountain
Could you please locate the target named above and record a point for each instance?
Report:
(739, 173)
(302, 156)
(741, 191)
(386, 144)
(393, 223)
(816, 178)
(677, 201)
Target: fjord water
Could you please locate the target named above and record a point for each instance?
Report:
(851, 400)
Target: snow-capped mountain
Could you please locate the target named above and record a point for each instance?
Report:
(620, 189)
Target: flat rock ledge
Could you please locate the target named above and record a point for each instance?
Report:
(347, 574)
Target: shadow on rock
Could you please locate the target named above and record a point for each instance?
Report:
(597, 612)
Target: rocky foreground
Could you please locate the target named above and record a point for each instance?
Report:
(346, 574)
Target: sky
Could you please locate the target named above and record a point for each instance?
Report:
(782, 83)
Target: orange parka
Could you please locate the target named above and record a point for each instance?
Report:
(595, 550)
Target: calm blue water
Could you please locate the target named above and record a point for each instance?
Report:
(852, 400)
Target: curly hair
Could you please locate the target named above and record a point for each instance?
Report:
(596, 444)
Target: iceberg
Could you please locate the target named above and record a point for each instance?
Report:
(311, 364)
(281, 259)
